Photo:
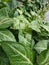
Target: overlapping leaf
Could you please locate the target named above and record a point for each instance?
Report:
(26, 39)
(46, 27)
(41, 46)
(3, 57)
(18, 53)
(35, 26)
(4, 12)
(6, 35)
(43, 58)
(20, 22)
(5, 22)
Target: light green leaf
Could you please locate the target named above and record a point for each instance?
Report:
(41, 46)
(17, 24)
(35, 26)
(20, 23)
(45, 27)
(33, 13)
(18, 53)
(26, 39)
(6, 35)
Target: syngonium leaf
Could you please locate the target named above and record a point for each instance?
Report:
(3, 57)
(18, 53)
(4, 12)
(16, 24)
(5, 22)
(41, 46)
(20, 22)
(35, 26)
(26, 38)
(43, 58)
(6, 35)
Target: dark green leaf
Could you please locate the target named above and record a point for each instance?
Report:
(18, 54)
(43, 58)
(3, 57)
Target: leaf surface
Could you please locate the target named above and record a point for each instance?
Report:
(18, 54)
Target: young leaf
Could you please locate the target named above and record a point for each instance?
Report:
(20, 23)
(35, 26)
(26, 39)
(41, 46)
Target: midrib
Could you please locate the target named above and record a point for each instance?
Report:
(15, 50)
(6, 36)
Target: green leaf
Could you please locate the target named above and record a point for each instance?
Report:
(3, 57)
(12, 4)
(26, 39)
(16, 24)
(5, 0)
(41, 46)
(35, 26)
(18, 54)
(20, 23)
(4, 12)
(2, 5)
(5, 22)
(45, 27)
(6, 35)
(43, 58)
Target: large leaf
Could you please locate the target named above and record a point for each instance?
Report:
(6, 35)
(3, 57)
(5, 22)
(18, 53)
(4, 12)
(41, 46)
(43, 58)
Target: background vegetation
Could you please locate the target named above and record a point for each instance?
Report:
(24, 32)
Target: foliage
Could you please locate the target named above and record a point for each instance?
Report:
(24, 34)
